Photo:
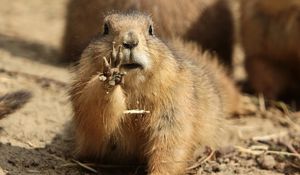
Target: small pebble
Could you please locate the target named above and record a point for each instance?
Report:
(207, 169)
(280, 167)
(223, 167)
(248, 163)
(266, 161)
(12, 162)
(215, 167)
(237, 171)
(226, 160)
(51, 150)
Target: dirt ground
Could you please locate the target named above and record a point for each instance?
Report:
(263, 139)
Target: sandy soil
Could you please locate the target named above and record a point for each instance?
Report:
(36, 139)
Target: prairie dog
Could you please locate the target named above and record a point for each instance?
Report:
(12, 101)
(185, 98)
(207, 22)
(270, 33)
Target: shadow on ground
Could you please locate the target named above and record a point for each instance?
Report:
(54, 158)
(30, 50)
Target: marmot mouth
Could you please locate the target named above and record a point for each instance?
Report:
(132, 66)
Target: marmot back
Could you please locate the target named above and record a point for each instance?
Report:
(270, 32)
(181, 100)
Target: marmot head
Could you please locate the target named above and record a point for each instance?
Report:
(143, 53)
(132, 31)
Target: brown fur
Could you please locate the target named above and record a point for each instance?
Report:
(185, 94)
(271, 34)
(207, 22)
(13, 101)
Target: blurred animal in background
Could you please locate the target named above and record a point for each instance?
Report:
(207, 22)
(10, 102)
(270, 34)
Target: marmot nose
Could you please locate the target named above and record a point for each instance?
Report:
(130, 45)
(130, 40)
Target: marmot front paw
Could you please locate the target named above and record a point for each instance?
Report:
(111, 69)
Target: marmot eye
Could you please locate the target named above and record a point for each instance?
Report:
(105, 29)
(150, 30)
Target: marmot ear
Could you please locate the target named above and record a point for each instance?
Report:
(105, 29)
(150, 30)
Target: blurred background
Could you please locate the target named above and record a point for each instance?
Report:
(257, 41)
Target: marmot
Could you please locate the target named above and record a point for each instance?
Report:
(12, 101)
(270, 33)
(128, 67)
(207, 22)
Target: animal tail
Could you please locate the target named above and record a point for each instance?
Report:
(10, 102)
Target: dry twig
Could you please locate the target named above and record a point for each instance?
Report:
(259, 152)
(201, 161)
(136, 111)
(290, 147)
(269, 137)
(84, 166)
(287, 116)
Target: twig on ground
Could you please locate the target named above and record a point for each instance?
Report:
(259, 152)
(259, 147)
(33, 171)
(293, 165)
(136, 111)
(290, 147)
(85, 166)
(57, 157)
(201, 161)
(269, 137)
(291, 122)
(281, 105)
(287, 116)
